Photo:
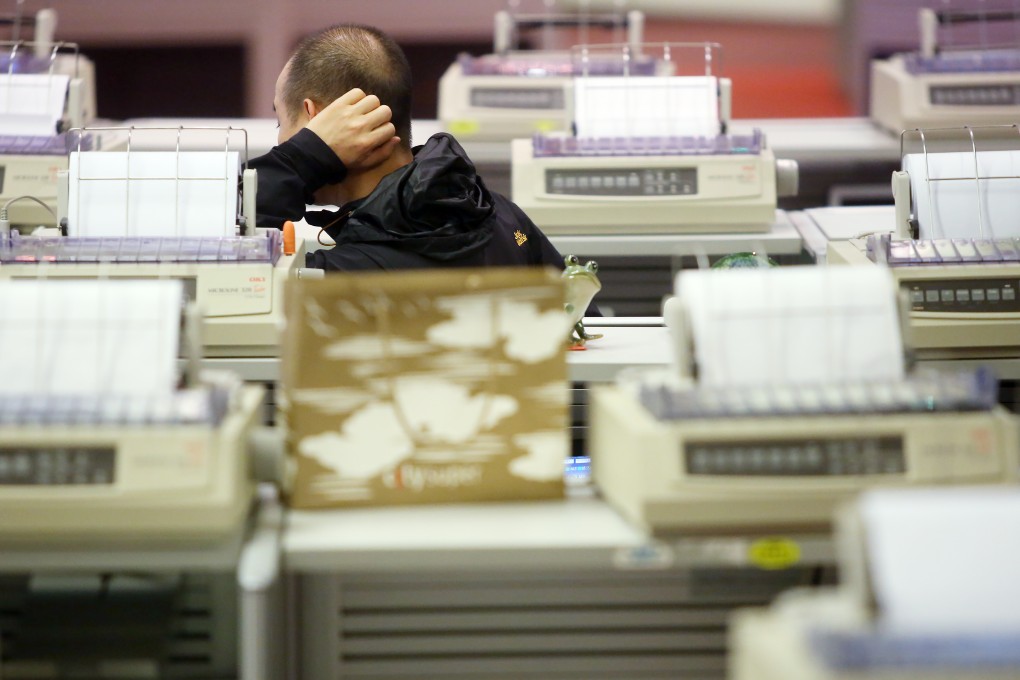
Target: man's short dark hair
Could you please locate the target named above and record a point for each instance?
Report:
(345, 56)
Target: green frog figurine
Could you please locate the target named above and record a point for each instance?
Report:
(742, 260)
(581, 285)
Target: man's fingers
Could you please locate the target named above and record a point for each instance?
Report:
(366, 105)
(358, 129)
(380, 153)
(348, 101)
(350, 97)
(378, 117)
(380, 135)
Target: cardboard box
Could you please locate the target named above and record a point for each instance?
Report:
(425, 386)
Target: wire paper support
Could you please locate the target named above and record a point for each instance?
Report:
(670, 66)
(509, 24)
(52, 49)
(629, 53)
(42, 252)
(34, 66)
(229, 177)
(965, 133)
(931, 20)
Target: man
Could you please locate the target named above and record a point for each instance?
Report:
(399, 208)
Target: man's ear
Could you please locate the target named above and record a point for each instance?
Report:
(310, 108)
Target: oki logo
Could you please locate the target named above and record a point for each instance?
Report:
(256, 279)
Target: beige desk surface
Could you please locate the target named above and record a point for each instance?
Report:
(571, 533)
(826, 140)
(85, 556)
(622, 346)
(782, 238)
(552, 534)
(819, 226)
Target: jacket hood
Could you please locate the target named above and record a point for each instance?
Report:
(436, 206)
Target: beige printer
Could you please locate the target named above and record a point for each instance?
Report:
(650, 154)
(966, 72)
(47, 88)
(927, 592)
(790, 395)
(515, 92)
(170, 214)
(954, 248)
(101, 441)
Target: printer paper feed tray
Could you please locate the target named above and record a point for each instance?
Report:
(141, 249)
(875, 650)
(921, 392)
(958, 251)
(685, 145)
(45, 145)
(182, 407)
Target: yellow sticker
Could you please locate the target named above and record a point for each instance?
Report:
(548, 125)
(463, 127)
(774, 553)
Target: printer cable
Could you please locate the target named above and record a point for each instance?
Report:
(5, 222)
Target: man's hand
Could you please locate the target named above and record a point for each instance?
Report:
(357, 128)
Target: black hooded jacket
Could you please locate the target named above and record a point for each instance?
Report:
(433, 212)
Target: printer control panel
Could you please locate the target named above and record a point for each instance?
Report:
(548, 98)
(984, 295)
(56, 466)
(673, 181)
(818, 457)
(978, 94)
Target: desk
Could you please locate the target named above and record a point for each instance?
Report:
(164, 610)
(819, 226)
(454, 537)
(86, 558)
(575, 533)
(621, 346)
(562, 589)
(637, 270)
(782, 238)
(825, 140)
